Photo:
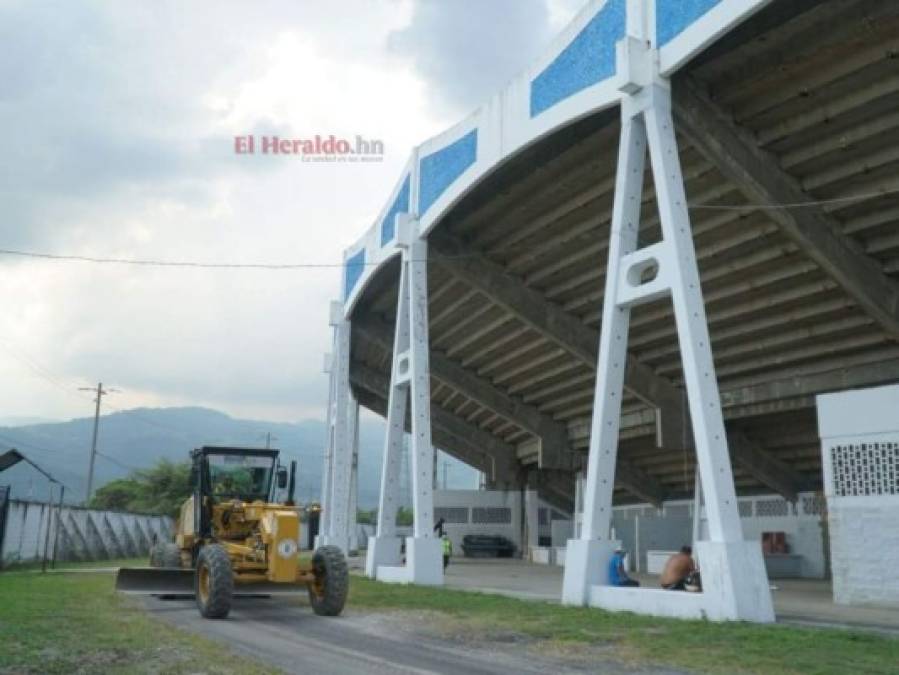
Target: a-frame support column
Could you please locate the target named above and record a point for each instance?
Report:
(734, 580)
(339, 466)
(410, 384)
(353, 506)
(324, 528)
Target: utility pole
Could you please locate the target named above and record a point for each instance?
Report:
(101, 392)
(268, 439)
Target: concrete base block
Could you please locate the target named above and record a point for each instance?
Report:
(393, 574)
(541, 555)
(381, 551)
(651, 601)
(586, 565)
(424, 559)
(734, 582)
(735, 587)
(559, 556)
(424, 564)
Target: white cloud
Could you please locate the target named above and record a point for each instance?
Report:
(124, 116)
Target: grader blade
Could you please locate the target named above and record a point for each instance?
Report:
(155, 581)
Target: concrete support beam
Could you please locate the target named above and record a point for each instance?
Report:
(552, 434)
(750, 456)
(881, 372)
(639, 483)
(555, 450)
(556, 488)
(556, 325)
(454, 435)
(458, 447)
(758, 174)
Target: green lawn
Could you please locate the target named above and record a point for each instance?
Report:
(694, 645)
(62, 566)
(76, 623)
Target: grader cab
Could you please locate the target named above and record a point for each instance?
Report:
(232, 539)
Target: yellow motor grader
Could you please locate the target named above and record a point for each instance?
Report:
(232, 539)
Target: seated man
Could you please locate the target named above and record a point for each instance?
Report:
(677, 569)
(617, 574)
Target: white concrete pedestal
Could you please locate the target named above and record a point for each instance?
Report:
(424, 560)
(586, 565)
(381, 551)
(734, 582)
(424, 564)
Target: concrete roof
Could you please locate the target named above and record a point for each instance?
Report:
(789, 140)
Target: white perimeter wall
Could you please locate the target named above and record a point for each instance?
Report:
(492, 512)
(860, 455)
(801, 522)
(84, 534)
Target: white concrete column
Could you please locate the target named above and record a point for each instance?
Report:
(342, 453)
(532, 522)
(384, 547)
(327, 461)
(735, 583)
(424, 550)
(587, 557)
(353, 420)
(410, 376)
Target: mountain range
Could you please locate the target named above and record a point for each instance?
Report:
(137, 439)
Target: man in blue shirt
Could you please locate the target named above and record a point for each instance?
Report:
(617, 574)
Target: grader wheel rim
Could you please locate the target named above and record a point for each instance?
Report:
(203, 585)
(318, 583)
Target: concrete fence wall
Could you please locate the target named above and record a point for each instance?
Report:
(642, 528)
(76, 533)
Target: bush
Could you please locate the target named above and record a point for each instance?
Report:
(159, 490)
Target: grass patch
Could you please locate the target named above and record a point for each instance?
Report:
(75, 565)
(694, 645)
(76, 623)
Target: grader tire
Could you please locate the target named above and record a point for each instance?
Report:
(170, 555)
(214, 582)
(327, 594)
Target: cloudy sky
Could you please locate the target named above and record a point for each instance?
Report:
(118, 123)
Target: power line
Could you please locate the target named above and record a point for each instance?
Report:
(39, 370)
(167, 263)
(42, 372)
(151, 262)
(28, 446)
(117, 462)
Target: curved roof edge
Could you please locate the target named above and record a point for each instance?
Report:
(578, 75)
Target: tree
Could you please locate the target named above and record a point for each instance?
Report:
(116, 495)
(158, 490)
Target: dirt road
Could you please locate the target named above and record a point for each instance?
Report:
(286, 634)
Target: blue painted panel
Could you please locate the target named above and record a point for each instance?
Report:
(675, 16)
(587, 60)
(400, 205)
(439, 169)
(353, 268)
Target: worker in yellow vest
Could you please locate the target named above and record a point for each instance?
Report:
(447, 550)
